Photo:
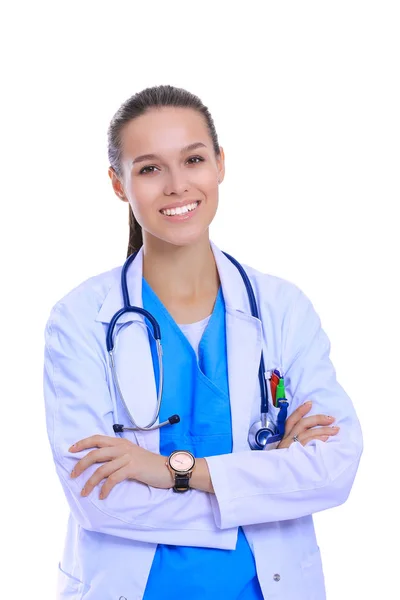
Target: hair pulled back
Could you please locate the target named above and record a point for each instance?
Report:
(137, 105)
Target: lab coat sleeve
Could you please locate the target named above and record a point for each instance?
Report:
(78, 405)
(274, 485)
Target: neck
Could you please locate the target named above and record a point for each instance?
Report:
(180, 272)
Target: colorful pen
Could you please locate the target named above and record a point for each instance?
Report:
(280, 390)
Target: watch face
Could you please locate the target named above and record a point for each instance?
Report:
(181, 461)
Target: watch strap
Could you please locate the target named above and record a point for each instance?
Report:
(182, 483)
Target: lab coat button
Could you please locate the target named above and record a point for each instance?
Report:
(277, 577)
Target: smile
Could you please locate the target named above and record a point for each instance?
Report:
(180, 210)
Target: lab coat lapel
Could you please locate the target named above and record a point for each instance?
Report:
(133, 358)
(244, 342)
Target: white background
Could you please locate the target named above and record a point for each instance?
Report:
(305, 98)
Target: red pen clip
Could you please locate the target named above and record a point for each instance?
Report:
(274, 384)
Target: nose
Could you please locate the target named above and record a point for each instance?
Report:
(176, 183)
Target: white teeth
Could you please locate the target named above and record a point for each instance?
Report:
(180, 210)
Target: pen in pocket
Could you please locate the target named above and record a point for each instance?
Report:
(274, 384)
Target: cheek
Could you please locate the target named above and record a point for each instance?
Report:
(143, 195)
(143, 190)
(211, 192)
(209, 181)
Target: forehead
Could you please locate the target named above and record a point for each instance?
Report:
(164, 130)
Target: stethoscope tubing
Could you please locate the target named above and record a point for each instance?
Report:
(254, 311)
(262, 375)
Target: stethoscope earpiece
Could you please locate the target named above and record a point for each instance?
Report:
(174, 419)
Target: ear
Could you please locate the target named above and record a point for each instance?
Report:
(221, 165)
(117, 185)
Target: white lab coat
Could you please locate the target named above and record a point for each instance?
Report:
(110, 543)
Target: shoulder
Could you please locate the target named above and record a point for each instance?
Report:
(283, 301)
(83, 302)
(272, 290)
(286, 309)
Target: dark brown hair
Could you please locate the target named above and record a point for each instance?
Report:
(137, 105)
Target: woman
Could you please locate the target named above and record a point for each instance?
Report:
(241, 528)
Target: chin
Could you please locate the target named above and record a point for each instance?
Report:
(187, 239)
(180, 238)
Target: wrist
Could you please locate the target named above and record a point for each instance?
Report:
(201, 479)
(170, 476)
(181, 464)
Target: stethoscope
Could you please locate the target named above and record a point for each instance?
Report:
(261, 433)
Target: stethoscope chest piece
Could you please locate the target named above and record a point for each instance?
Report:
(259, 434)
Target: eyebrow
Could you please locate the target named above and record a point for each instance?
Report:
(144, 157)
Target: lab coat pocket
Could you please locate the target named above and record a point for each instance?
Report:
(273, 412)
(313, 576)
(69, 587)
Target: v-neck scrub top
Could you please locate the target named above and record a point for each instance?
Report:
(196, 388)
(194, 333)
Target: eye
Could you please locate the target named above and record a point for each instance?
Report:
(199, 158)
(144, 171)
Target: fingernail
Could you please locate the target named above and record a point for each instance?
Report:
(330, 418)
(308, 403)
(83, 492)
(336, 428)
(72, 473)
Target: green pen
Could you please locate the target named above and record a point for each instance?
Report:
(280, 391)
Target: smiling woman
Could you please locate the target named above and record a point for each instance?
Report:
(185, 505)
(188, 157)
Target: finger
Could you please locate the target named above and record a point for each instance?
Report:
(319, 432)
(103, 472)
(323, 433)
(95, 456)
(296, 416)
(314, 421)
(99, 441)
(112, 481)
(323, 438)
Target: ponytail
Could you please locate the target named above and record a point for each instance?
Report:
(135, 234)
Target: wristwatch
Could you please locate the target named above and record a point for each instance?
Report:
(181, 464)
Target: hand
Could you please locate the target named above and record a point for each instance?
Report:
(123, 460)
(306, 428)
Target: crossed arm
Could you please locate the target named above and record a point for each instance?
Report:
(241, 488)
(125, 460)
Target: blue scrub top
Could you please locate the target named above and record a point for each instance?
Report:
(198, 391)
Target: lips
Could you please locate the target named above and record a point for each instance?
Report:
(183, 214)
(179, 204)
